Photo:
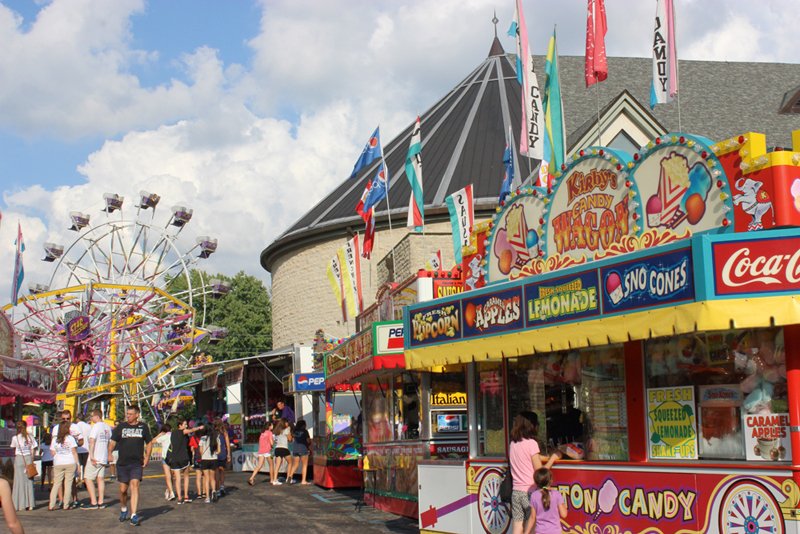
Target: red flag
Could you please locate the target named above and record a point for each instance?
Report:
(369, 234)
(596, 63)
(360, 205)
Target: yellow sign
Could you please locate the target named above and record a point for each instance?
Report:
(449, 399)
(672, 423)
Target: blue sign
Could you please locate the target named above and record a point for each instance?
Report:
(309, 382)
(501, 311)
(648, 282)
(434, 324)
(562, 299)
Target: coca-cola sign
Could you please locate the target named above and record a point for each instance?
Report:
(756, 266)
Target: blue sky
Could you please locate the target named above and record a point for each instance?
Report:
(251, 111)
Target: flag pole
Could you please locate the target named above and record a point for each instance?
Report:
(388, 208)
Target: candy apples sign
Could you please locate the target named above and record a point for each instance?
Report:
(592, 207)
(756, 266)
(515, 239)
(683, 187)
(493, 312)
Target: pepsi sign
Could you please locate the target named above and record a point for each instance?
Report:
(309, 382)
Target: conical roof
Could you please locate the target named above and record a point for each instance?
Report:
(463, 139)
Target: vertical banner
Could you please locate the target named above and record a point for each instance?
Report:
(435, 262)
(335, 279)
(462, 218)
(353, 267)
(664, 86)
(531, 140)
(348, 287)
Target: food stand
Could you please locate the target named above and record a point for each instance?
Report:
(647, 308)
(20, 381)
(406, 416)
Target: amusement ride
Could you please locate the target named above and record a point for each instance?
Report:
(121, 314)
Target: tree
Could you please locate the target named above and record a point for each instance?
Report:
(246, 312)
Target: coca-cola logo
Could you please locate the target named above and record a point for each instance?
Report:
(746, 267)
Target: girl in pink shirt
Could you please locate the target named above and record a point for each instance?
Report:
(524, 458)
(265, 442)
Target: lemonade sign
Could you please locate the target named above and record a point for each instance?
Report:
(672, 423)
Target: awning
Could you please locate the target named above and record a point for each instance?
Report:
(685, 318)
(373, 363)
(7, 389)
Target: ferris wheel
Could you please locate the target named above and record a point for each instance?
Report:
(119, 315)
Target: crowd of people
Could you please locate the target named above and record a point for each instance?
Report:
(77, 454)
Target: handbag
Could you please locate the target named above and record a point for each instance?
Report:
(30, 468)
(506, 487)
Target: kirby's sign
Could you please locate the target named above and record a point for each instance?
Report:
(756, 266)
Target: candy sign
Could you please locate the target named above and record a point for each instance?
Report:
(682, 186)
(515, 242)
(590, 210)
(648, 282)
(671, 422)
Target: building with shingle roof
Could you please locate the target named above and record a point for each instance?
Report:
(463, 139)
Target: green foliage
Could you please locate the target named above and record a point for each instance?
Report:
(246, 312)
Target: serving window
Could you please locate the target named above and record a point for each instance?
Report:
(491, 426)
(718, 395)
(579, 398)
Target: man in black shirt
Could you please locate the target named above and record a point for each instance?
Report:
(135, 443)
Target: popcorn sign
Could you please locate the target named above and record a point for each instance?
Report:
(435, 324)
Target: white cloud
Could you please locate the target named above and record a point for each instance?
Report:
(221, 143)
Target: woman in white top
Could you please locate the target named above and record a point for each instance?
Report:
(24, 445)
(65, 461)
(209, 447)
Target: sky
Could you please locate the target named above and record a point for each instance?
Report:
(251, 111)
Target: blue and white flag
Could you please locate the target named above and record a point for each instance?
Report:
(372, 151)
(508, 164)
(19, 270)
(377, 192)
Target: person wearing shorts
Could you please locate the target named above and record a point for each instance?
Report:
(179, 457)
(265, 442)
(99, 436)
(135, 445)
(283, 435)
(299, 452)
(209, 448)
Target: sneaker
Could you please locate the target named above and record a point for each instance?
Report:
(166, 494)
(208, 501)
(292, 481)
(59, 503)
(123, 516)
(100, 506)
(135, 520)
(112, 478)
(215, 496)
(87, 506)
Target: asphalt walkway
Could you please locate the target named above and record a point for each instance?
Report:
(260, 508)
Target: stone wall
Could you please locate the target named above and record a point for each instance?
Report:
(302, 299)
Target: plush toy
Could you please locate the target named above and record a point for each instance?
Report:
(572, 368)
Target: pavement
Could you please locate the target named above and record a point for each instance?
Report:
(263, 507)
